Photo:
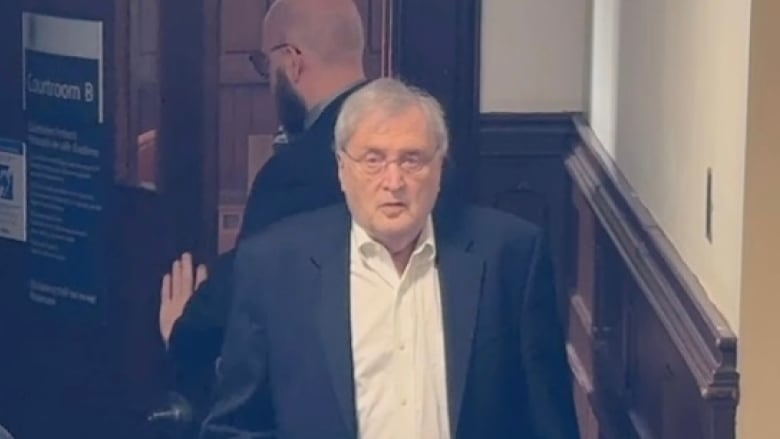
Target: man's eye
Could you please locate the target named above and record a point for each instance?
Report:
(373, 159)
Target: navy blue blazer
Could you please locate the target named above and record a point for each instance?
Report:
(287, 359)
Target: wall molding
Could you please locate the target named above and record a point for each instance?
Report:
(698, 329)
(511, 134)
(521, 171)
(691, 343)
(652, 356)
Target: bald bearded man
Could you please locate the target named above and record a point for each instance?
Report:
(312, 52)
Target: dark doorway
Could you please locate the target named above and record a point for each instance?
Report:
(170, 84)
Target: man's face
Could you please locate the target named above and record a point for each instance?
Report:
(390, 171)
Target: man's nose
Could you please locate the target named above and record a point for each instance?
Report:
(393, 177)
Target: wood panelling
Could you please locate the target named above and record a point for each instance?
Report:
(521, 171)
(241, 25)
(651, 355)
(147, 159)
(245, 105)
(235, 69)
(664, 357)
(374, 23)
(144, 89)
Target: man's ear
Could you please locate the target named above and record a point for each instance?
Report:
(340, 168)
(295, 66)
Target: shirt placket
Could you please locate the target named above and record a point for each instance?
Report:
(404, 319)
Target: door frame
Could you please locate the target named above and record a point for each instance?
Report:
(446, 63)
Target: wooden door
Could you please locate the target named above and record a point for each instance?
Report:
(144, 92)
(246, 119)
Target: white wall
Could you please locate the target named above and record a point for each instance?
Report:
(680, 78)
(605, 43)
(534, 54)
(666, 91)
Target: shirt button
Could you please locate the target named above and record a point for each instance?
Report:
(403, 402)
(402, 347)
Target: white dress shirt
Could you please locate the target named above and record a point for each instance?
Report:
(397, 341)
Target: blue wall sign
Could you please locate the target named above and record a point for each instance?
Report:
(69, 161)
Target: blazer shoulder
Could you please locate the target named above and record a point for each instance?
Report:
(508, 240)
(491, 222)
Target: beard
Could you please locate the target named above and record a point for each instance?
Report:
(289, 105)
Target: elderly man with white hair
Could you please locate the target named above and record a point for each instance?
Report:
(392, 317)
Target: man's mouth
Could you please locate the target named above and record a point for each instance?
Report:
(392, 207)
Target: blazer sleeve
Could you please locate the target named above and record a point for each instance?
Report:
(549, 381)
(196, 339)
(242, 405)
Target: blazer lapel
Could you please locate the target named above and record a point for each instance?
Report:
(334, 317)
(461, 273)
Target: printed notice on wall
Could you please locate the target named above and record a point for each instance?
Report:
(69, 157)
(12, 190)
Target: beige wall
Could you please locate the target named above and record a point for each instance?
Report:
(759, 350)
(675, 75)
(605, 43)
(533, 54)
(680, 87)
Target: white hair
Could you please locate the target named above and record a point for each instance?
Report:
(390, 97)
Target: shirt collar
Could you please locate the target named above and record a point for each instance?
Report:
(425, 247)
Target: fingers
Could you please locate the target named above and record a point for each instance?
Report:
(166, 299)
(165, 288)
(187, 277)
(176, 279)
(200, 275)
(176, 289)
(183, 279)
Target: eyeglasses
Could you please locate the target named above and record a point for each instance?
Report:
(261, 62)
(374, 162)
